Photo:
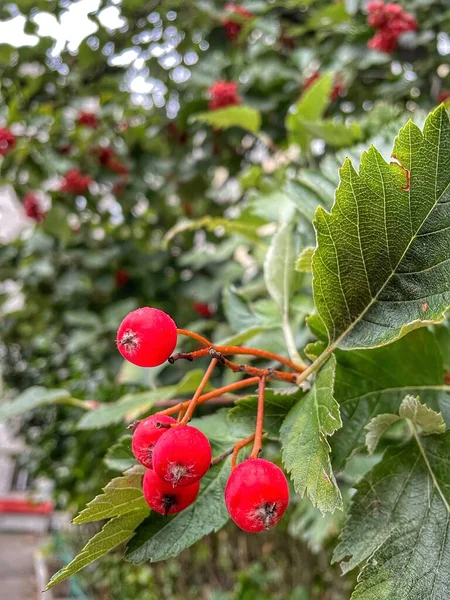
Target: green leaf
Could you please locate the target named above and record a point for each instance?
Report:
(305, 449)
(381, 263)
(120, 456)
(121, 496)
(237, 311)
(277, 404)
(376, 429)
(304, 260)
(425, 419)
(115, 532)
(334, 133)
(246, 227)
(31, 398)
(374, 382)
(399, 522)
(159, 538)
(231, 116)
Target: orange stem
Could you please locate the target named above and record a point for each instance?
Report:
(214, 394)
(237, 368)
(190, 410)
(238, 447)
(194, 336)
(259, 419)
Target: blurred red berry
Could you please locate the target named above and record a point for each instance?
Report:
(105, 154)
(88, 119)
(65, 149)
(223, 93)
(203, 310)
(7, 141)
(310, 80)
(176, 134)
(32, 208)
(443, 96)
(391, 21)
(233, 26)
(338, 86)
(117, 167)
(122, 278)
(75, 182)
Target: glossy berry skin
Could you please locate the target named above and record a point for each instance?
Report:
(256, 495)
(163, 498)
(147, 337)
(182, 456)
(145, 436)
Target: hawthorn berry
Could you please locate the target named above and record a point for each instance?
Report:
(233, 26)
(145, 436)
(7, 141)
(32, 207)
(88, 119)
(256, 495)
(182, 455)
(163, 498)
(147, 337)
(223, 94)
(75, 182)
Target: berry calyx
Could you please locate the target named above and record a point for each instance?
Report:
(256, 495)
(163, 498)
(182, 456)
(147, 337)
(145, 436)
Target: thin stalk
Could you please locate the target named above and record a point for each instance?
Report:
(194, 336)
(238, 447)
(259, 419)
(190, 410)
(299, 365)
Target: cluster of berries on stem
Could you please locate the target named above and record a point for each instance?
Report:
(176, 454)
(223, 94)
(391, 21)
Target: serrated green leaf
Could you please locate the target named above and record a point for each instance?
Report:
(120, 456)
(374, 382)
(121, 496)
(305, 449)
(400, 523)
(381, 263)
(277, 404)
(424, 418)
(304, 260)
(31, 398)
(159, 538)
(376, 428)
(231, 116)
(116, 531)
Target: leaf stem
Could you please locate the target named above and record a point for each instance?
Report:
(299, 365)
(83, 404)
(257, 445)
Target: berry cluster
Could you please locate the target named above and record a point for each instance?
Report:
(7, 141)
(223, 93)
(88, 119)
(233, 22)
(107, 158)
(177, 455)
(391, 21)
(32, 207)
(75, 182)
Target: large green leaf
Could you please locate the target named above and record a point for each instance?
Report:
(159, 538)
(277, 404)
(32, 398)
(305, 449)
(374, 382)
(381, 266)
(231, 116)
(121, 496)
(120, 456)
(116, 531)
(400, 524)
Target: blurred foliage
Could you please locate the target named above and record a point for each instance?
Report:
(188, 220)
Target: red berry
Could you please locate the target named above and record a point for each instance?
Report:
(256, 495)
(232, 26)
(147, 337)
(32, 207)
(163, 498)
(145, 436)
(203, 309)
(182, 456)
(88, 119)
(7, 141)
(223, 93)
(75, 182)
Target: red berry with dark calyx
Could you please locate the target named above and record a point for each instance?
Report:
(163, 498)
(147, 337)
(146, 434)
(256, 495)
(182, 456)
